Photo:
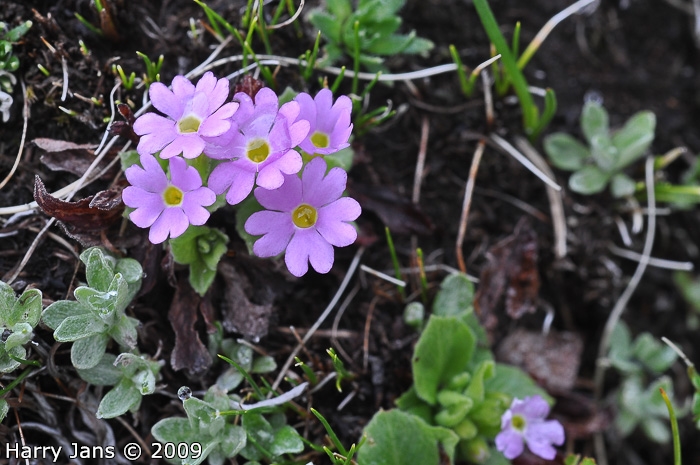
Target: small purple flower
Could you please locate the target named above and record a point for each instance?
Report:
(168, 207)
(330, 122)
(307, 217)
(260, 146)
(524, 422)
(196, 116)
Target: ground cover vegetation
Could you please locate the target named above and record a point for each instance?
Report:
(368, 232)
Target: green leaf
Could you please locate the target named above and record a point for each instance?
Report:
(119, 400)
(233, 440)
(633, 140)
(604, 152)
(340, 8)
(398, 438)
(622, 185)
(594, 121)
(128, 158)
(620, 354)
(342, 158)
(7, 363)
(263, 364)
(102, 374)
(444, 349)
(656, 356)
(99, 268)
(483, 372)
(656, 430)
(286, 441)
(200, 247)
(26, 309)
(4, 408)
(391, 45)
(565, 152)
(177, 430)
(88, 351)
(132, 272)
(245, 210)
(330, 26)
(588, 180)
(380, 9)
(259, 430)
(77, 327)
(455, 297)
(58, 311)
(21, 334)
(124, 332)
(411, 403)
(515, 382)
(419, 46)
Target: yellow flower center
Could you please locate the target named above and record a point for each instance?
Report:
(320, 140)
(189, 124)
(304, 216)
(258, 150)
(518, 422)
(173, 196)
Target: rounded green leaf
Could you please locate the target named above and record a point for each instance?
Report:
(455, 297)
(77, 327)
(58, 311)
(588, 180)
(119, 400)
(444, 349)
(88, 351)
(102, 374)
(622, 185)
(633, 140)
(594, 120)
(565, 152)
(286, 441)
(398, 438)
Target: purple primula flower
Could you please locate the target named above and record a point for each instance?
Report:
(524, 422)
(330, 122)
(307, 217)
(168, 207)
(260, 146)
(196, 116)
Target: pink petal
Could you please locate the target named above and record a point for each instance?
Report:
(193, 203)
(307, 245)
(266, 101)
(324, 102)
(533, 407)
(307, 110)
(542, 449)
(290, 111)
(191, 145)
(285, 198)
(226, 111)
(165, 101)
(246, 109)
(172, 222)
(151, 177)
(185, 178)
(276, 228)
(200, 105)
(182, 88)
(148, 206)
(171, 150)
(550, 431)
(231, 176)
(298, 132)
(206, 83)
(341, 131)
(218, 95)
(331, 223)
(510, 443)
(320, 191)
(270, 177)
(290, 162)
(212, 127)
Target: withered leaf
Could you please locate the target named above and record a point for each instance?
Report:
(395, 211)
(240, 315)
(84, 219)
(552, 359)
(67, 156)
(249, 85)
(512, 270)
(189, 351)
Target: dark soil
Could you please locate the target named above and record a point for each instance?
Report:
(635, 55)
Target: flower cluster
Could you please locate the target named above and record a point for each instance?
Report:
(524, 423)
(250, 141)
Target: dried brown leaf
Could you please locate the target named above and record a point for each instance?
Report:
(189, 351)
(512, 270)
(84, 219)
(552, 359)
(240, 315)
(398, 213)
